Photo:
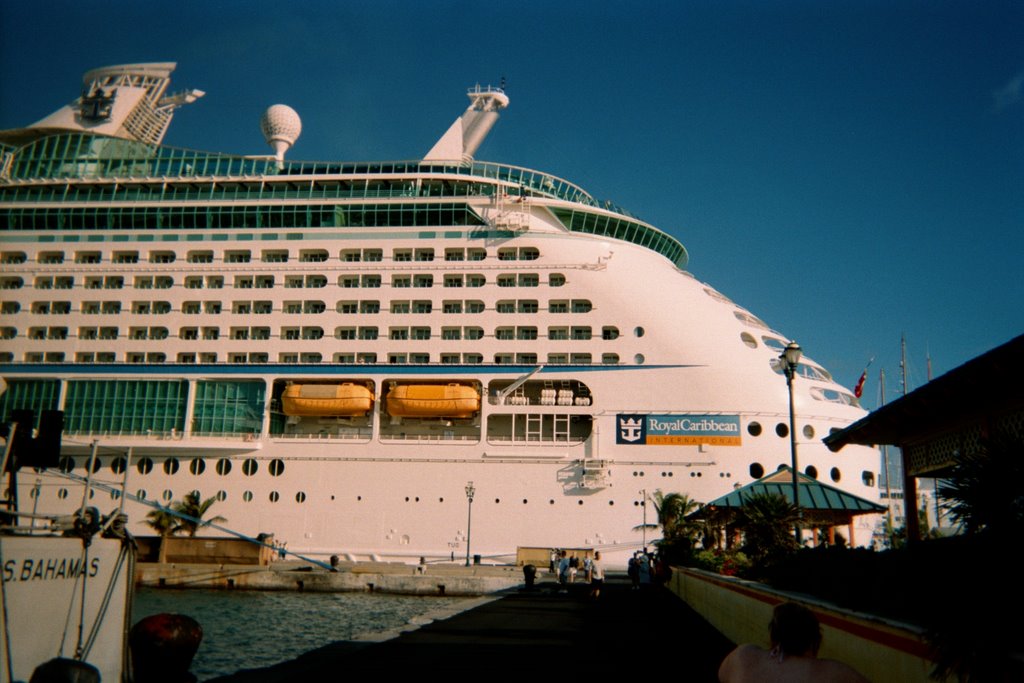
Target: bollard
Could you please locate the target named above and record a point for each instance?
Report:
(529, 575)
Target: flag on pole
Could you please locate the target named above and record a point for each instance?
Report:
(858, 390)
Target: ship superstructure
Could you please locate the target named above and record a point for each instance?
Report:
(334, 350)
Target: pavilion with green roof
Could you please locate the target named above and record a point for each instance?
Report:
(821, 505)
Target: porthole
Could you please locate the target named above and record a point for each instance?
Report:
(274, 496)
(62, 493)
(639, 359)
(197, 466)
(141, 494)
(551, 502)
(359, 498)
(300, 497)
(835, 474)
(115, 494)
(579, 502)
(440, 500)
(276, 467)
(639, 331)
(32, 492)
(497, 500)
(167, 495)
(117, 465)
(868, 478)
(754, 429)
(66, 464)
(96, 464)
(524, 501)
(223, 467)
(611, 502)
(407, 499)
(171, 466)
(250, 467)
(144, 466)
(222, 496)
(782, 429)
(811, 471)
(756, 470)
(748, 339)
(247, 496)
(808, 432)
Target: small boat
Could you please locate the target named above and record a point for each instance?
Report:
(322, 400)
(67, 579)
(433, 400)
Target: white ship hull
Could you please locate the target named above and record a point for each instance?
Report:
(605, 371)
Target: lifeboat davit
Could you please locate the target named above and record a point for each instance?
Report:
(433, 400)
(322, 400)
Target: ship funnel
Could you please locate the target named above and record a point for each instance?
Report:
(468, 131)
(281, 127)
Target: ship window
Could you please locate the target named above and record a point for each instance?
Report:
(528, 333)
(580, 333)
(528, 306)
(639, 359)
(369, 307)
(503, 358)
(558, 307)
(639, 331)
(88, 257)
(14, 307)
(345, 333)
(529, 254)
(506, 280)
(556, 280)
(451, 333)
(50, 257)
(250, 467)
(454, 254)
(423, 281)
(472, 358)
(452, 280)
(609, 333)
(368, 332)
(558, 358)
(200, 257)
(558, 333)
(580, 358)
(351, 256)
(275, 256)
(15, 257)
(238, 256)
(473, 332)
(396, 358)
(311, 357)
(197, 466)
(475, 280)
(476, 254)
(473, 306)
(399, 306)
(420, 333)
(366, 358)
(504, 333)
(835, 474)
(276, 467)
(581, 306)
(748, 339)
(343, 307)
(422, 307)
(401, 281)
(300, 497)
(12, 332)
(754, 429)
(782, 429)
(529, 280)
(161, 257)
(402, 255)
(610, 358)
(247, 496)
(506, 307)
(222, 495)
(508, 254)
(811, 471)
(756, 470)
(808, 431)
(314, 255)
(398, 333)
(288, 357)
(373, 255)
(125, 257)
(424, 254)
(214, 282)
(451, 307)
(449, 358)
(868, 478)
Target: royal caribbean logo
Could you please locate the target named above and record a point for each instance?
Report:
(678, 430)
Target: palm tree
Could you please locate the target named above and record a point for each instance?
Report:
(165, 524)
(767, 521)
(983, 492)
(192, 511)
(677, 532)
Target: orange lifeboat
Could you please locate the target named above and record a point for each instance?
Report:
(322, 400)
(433, 400)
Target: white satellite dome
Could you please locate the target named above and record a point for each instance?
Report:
(281, 127)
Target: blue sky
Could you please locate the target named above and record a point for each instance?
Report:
(848, 171)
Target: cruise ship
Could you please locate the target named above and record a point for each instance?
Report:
(379, 360)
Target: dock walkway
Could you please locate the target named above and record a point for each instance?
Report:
(525, 635)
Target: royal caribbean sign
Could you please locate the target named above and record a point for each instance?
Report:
(677, 430)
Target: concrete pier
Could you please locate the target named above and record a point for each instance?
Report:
(382, 577)
(537, 634)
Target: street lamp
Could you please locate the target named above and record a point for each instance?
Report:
(469, 521)
(643, 504)
(790, 360)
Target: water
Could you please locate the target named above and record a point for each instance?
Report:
(252, 629)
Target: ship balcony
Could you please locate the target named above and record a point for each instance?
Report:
(161, 442)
